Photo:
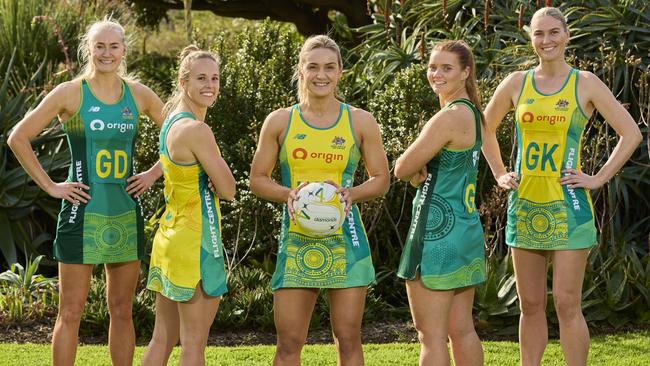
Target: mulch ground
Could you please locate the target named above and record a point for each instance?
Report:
(372, 333)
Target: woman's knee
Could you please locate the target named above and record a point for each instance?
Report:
(430, 335)
(290, 344)
(532, 305)
(458, 332)
(163, 340)
(71, 312)
(567, 305)
(347, 340)
(194, 341)
(120, 309)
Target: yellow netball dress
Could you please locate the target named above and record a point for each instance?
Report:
(542, 213)
(340, 260)
(187, 247)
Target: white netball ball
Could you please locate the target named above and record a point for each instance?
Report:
(318, 209)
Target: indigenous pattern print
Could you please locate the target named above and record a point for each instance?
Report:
(445, 243)
(340, 260)
(542, 214)
(109, 228)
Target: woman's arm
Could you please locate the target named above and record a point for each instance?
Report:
(500, 104)
(268, 147)
(60, 101)
(150, 105)
(443, 128)
(374, 158)
(148, 102)
(616, 116)
(198, 138)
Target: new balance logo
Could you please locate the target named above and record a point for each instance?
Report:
(94, 109)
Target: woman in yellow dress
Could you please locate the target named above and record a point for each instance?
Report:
(320, 139)
(550, 214)
(187, 268)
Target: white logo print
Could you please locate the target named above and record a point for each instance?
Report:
(97, 124)
(94, 109)
(475, 157)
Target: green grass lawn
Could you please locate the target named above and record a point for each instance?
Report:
(623, 349)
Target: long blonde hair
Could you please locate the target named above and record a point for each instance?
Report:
(85, 46)
(186, 59)
(312, 43)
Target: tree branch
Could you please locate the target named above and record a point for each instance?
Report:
(309, 16)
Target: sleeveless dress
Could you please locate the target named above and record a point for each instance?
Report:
(340, 260)
(187, 247)
(542, 213)
(109, 228)
(445, 242)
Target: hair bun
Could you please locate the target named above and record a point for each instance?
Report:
(187, 51)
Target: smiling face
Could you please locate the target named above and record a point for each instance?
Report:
(549, 38)
(107, 50)
(202, 85)
(445, 73)
(320, 72)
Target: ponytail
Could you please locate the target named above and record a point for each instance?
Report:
(186, 59)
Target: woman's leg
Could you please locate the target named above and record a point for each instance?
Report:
(568, 275)
(430, 310)
(165, 333)
(74, 282)
(121, 280)
(465, 344)
(292, 308)
(196, 317)
(530, 273)
(346, 313)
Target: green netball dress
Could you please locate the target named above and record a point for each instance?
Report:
(542, 213)
(445, 242)
(109, 228)
(340, 260)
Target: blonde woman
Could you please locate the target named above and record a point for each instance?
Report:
(298, 136)
(187, 268)
(100, 220)
(550, 213)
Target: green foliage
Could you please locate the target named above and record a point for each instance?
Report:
(25, 217)
(249, 301)
(25, 295)
(495, 299)
(47, 30)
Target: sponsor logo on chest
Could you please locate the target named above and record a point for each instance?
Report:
(300, 153)
(551, 119)
(121, 127)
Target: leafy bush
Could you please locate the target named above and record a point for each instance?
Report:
(25, 295)
(26, 215)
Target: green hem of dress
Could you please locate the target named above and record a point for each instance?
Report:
(158, 282)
